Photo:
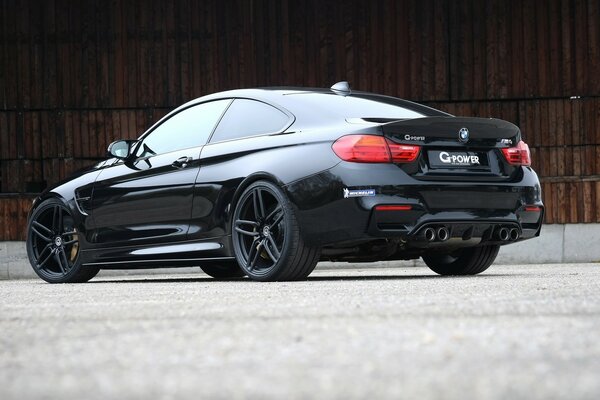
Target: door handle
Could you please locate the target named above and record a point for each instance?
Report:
(182, 162)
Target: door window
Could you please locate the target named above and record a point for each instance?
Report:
(188, 128)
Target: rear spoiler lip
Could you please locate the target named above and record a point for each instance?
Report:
(448, 128)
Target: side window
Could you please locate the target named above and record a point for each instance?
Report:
(188, 128)
(247, 118)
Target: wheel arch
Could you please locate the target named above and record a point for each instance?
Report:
(249, 180)
(69, 203)
(37, 202)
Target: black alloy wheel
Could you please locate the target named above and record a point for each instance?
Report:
(266, 237)
(53, 245)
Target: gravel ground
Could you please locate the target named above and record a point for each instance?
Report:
(514, 332)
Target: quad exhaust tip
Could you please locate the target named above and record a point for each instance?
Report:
(440, 234)
(443, 234)
(503, 234)
(429, 234)
(508, 234)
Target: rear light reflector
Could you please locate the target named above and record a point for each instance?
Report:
(393, 208)
(532, 209)
(373, 149)
(518, 155)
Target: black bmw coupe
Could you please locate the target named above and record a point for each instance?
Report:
(266, 182)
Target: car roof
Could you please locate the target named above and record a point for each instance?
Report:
(306, 111)
(284, 96)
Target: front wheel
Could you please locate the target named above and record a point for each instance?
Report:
(266, 237)
(53, 245)
(469, 261)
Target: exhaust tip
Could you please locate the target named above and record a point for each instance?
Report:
(443, 234)
(514, 234)
(429, 234)
(503, 234)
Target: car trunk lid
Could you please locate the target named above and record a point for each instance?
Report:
(453, 148)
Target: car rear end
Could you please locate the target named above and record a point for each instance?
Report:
(443, 182)
(412, 179)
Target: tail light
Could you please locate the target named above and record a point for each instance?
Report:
(373, 149)
(362, 148)
(518, 155)
(403, 153)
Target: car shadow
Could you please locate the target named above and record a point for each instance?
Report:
(395, 277)
(309, 279)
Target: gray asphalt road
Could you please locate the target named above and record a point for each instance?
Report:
(514, 332)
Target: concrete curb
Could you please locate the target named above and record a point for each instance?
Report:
(568, 243)
(558, 243)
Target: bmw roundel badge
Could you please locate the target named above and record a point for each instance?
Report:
(463, 135)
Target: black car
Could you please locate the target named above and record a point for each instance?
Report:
(266, 182)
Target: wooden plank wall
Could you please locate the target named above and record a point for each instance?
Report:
(76, 74)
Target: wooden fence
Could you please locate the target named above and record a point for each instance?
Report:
(75, 75)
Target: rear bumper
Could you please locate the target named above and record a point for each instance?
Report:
(471, 211)
(458, 223)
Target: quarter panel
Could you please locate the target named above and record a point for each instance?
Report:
(224, 166)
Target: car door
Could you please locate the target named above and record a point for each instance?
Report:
(233, 153)
(147, 198)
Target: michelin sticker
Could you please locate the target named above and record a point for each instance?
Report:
(358, 193)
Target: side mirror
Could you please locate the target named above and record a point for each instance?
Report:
(119, 149)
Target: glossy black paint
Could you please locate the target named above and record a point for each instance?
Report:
(321, 200)
(148, 200)
(175, 208)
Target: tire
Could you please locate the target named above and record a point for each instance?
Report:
(266, 237)
(53, 245)
(223, 271)
(469, 261)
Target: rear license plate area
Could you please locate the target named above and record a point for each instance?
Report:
(444, 159)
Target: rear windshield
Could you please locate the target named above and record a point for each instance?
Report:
(358, 105)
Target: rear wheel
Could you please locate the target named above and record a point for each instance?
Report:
(266, 236)
(223, 271)
(53, 245)
(470, 261)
